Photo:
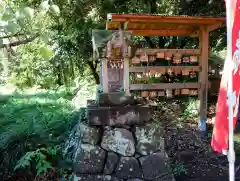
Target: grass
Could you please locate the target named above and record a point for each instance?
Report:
(34, 119)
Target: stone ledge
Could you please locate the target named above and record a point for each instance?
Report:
(115, 99)
(118, 115)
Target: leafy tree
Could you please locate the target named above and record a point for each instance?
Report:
(65, 26)
(22, 25)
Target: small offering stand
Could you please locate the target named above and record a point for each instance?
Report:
(152, 73)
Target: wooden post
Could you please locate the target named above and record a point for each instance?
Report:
(126, 75)
(104, 75)
(125, 63)
(204, 42)
(101, 73)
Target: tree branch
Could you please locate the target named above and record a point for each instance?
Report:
(94, 71)
(20, 42)
(184, 42)
(9, 36)
(148, 40)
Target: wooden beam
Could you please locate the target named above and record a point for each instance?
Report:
(214, 26)
(125, 60)
(148, 68)
(164, 19)
(169, 32)
(149, 51)
(104, 75)
(162, 86)
(204, 42)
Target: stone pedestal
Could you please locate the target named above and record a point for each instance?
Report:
(120, 142)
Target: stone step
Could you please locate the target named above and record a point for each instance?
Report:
(118, 115)
(115, 99)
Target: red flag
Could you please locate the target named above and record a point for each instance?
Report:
(221, 131)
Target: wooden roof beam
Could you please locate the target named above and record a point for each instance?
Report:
(179, 32)
(214, 26)
(163, 19)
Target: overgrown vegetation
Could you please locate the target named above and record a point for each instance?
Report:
(34, 124)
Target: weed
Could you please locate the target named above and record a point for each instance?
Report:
(179, 169)
(37, 158)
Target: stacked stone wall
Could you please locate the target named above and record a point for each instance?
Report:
(120, 143)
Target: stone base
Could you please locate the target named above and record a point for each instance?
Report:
(118, 115)
(120, 142)
(115, 99)
(119, 154)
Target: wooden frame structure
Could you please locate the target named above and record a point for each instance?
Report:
(154, 25)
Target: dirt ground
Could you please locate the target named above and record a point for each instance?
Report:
(189, 150)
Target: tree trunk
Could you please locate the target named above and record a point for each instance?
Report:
(149, 41)
(153, 6)
(161, 42)
(59, 77)
(94, 71)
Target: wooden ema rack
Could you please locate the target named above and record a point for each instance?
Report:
(152, 25)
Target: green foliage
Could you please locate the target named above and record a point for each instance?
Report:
(39, 157)
(32, 66)
(178, 169)
(55, 9)
(46, 52)
(191, 109)
(83, 113)
(121, 89)
(31, 121)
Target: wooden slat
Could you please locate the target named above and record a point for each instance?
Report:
(204, 40)
(138, 69)
(146, 69)
(182, 51)
(161, 86)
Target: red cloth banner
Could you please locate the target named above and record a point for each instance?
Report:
(220, 135)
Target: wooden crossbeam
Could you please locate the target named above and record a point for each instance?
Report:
(154, 51)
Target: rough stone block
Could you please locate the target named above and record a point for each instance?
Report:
(118, 140)
(128, 167)
(95, 178)
(89, 159)
(118, 116)
(115, 99)
(91, 102)
(154, 166)
(168, 177)
(90, 135)
(111, 163)
(149, 138)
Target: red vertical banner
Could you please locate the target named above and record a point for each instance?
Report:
(221, 130)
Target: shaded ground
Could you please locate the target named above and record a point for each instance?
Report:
(192, 158)
(189, 151)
